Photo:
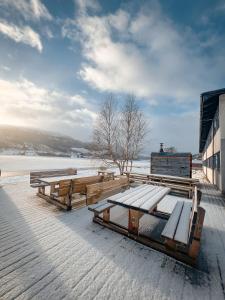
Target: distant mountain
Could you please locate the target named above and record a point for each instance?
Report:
(26, 141)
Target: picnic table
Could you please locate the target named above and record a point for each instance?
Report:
(181, 234)
(140, 200)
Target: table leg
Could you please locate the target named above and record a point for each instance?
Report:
(133, 221)
(106, 215)
(41, 190)
(52, 188)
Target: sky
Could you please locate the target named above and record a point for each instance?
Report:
(60, 59)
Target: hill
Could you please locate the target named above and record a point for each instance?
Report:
(27, 141)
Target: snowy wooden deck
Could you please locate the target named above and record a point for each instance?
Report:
(48, 254)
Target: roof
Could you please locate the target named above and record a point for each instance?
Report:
(208, 107)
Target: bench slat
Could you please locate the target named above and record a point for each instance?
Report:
(36, 175)
(170, 228)
(182, 232)
(100, 208)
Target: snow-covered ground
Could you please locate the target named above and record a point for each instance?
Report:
(27, 163)
(49, 254)
(16, 168)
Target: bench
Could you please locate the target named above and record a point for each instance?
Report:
(98, 190)
(35, 176)
(183, 229)
(177, 185)
(103, 207)
(79, 185)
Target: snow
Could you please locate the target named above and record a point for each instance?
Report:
(28, 163)
(49, 254)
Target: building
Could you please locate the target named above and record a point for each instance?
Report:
(212, 136)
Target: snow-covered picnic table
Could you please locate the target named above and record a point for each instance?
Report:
(143, 198)
(181, 233)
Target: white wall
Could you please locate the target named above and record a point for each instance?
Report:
(222, 129)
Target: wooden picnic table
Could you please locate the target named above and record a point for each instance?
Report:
(140, 200)
(181, 234)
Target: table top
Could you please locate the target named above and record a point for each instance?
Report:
(144, 198)
(56, 179)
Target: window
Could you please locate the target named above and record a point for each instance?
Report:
(213, 162)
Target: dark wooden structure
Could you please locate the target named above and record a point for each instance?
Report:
(175, 164)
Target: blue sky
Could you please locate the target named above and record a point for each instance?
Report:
(59, 59)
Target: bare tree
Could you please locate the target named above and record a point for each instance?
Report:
(119, 133)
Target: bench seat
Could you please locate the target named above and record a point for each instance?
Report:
(38, 184)
(100, 207)
(178, 225)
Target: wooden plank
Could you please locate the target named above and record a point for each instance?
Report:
(56, 179)
(101, 208)
(94, 206)
(165, 177)
(141, 197)
(141, 200)
(149, 205)
(170, 228)
(127, 192)
(183, 228)
(100, 187)
(134, 195)
(195, 245)
(36, 175)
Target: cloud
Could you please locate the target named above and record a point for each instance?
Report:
(23, 34)
(85, 5)
(27, 104)
(29, 9)
(6, 68)
(143, 52)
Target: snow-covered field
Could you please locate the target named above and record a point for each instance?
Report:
(16, 168)
(17, 163)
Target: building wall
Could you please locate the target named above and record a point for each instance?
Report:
(216, 146)
(222, 151)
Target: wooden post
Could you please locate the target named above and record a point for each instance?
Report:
(41, 190)
(195, 245)
(52, 188)
(133, 221)
(106, 215)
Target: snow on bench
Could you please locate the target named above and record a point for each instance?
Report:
(100, 207)
(178, 225)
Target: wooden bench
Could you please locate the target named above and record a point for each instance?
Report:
(65, 190)
(98, 190)
(103, 207)
(183, 229)
(79, 185)
(35, 176)
(177, 184)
